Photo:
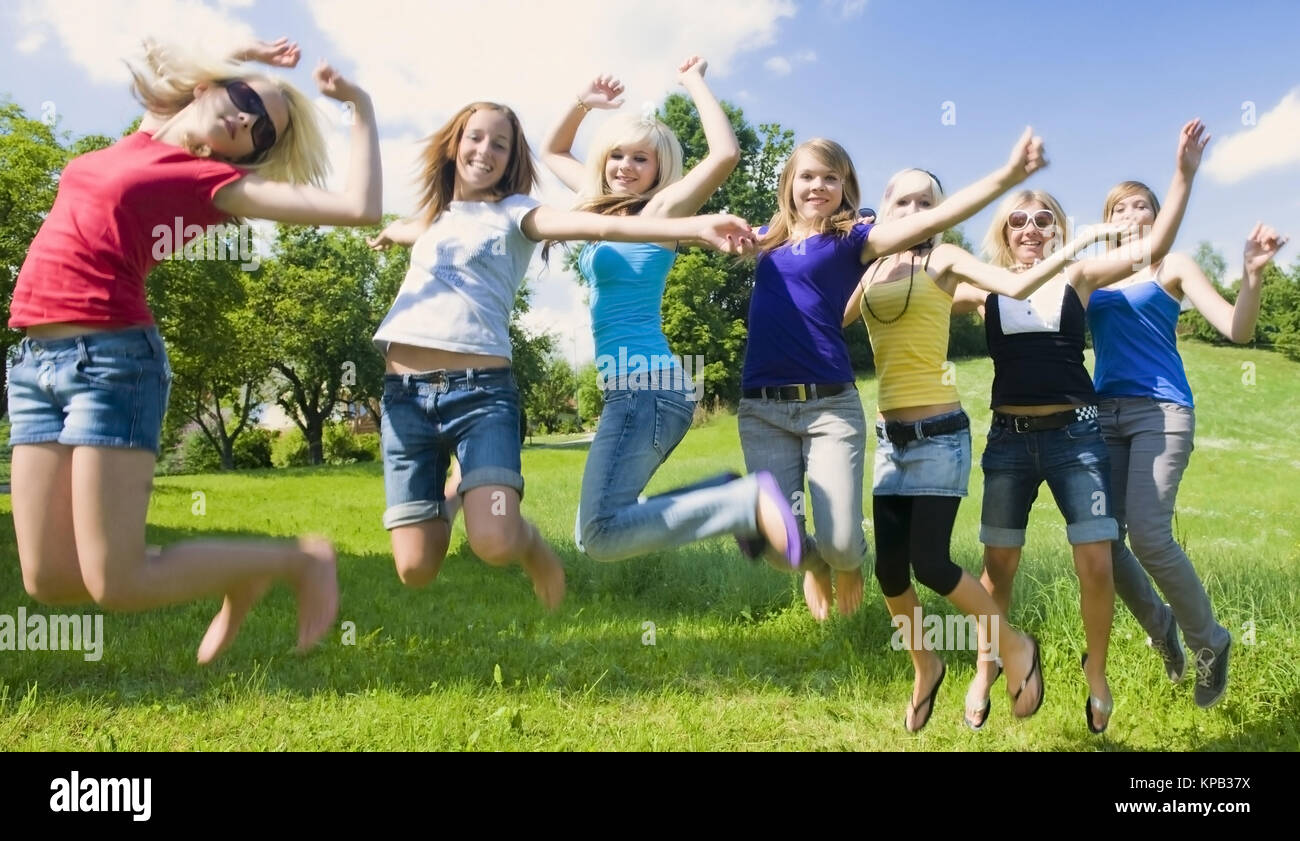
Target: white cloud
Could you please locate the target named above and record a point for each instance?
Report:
(31, 42)
(97, 36)
(1269, 145)
(778, 65)
(847, 8)
(531, 56)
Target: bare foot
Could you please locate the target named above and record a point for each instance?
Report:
(848, 586)
(543, 566)
(925, 685)
(225, 625)
(817, 592)
(317, 588)
(451, 494)
(977, 694)
(1025, 678)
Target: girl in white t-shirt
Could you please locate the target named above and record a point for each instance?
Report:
(448, 388)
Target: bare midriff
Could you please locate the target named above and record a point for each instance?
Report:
(1035, 411)
(69, 329)
(909, 414)
(409, 359)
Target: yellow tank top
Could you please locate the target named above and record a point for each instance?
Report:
(908, 322)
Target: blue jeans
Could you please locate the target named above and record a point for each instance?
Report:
(638, 430)
(1074, 463)
(473, 413)
(106, 389)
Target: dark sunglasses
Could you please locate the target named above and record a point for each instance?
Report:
(263, 131)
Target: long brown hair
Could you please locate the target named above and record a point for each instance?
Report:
(832, 156)
(438, 162)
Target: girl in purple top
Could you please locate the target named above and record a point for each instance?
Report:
(801, 415)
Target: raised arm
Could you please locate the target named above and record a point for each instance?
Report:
(1235, 321)
(895, 235)
(729, 234)
(688, 195)
(360, 201)
(604, 92)
(1094, 273)
(955, 265)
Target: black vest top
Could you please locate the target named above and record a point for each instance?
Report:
(1042, 367)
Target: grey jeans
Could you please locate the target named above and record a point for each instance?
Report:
(824, 440)
(1150, 443)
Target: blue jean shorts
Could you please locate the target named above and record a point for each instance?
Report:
(937, 465)
(428, 417)
(1074, 462)
(105, 389)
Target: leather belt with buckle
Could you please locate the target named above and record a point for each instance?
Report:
(800, 392)
(902, 433)
(1041, 423)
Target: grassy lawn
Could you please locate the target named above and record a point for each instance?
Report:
(473, 662)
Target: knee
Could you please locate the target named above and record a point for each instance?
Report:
(112, 594)
(597, 544)
(940, 576)
(54, 589)
(500, 544)
(417, 570)
(1151, 543)
(1093, 564)
(893, 578)
(841, 557)
(1001, 562)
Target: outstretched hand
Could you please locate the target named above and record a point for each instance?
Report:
(332, 84)
(728, 234)
(1027, 155)
(1261, 246)
(693, 65)
(604, 92)
(1191, 143)
(278, 53)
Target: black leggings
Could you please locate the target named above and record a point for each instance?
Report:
(916, 529)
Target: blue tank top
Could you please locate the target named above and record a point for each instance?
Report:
(627, 289)
(1133, 331)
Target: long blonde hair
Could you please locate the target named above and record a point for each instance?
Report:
(438, 162)
(832, 156)
(165, 86)
(997, 249)
(626, 130)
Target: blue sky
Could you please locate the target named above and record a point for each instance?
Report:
(1107, 88)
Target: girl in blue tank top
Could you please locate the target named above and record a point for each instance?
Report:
(1148, 422)
(635, 168)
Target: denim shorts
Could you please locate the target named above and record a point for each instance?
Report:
(937, 465)
(1076, 465)
(105, 389)
(428, 417)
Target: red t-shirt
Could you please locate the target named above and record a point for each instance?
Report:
(90, 258)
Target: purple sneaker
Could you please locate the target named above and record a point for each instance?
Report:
(793, 541)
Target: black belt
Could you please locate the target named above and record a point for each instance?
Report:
(1040, 423)
(902, 433)
(802, 391)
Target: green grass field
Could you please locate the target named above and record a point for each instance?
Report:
(473, 662)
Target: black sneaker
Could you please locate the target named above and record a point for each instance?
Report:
(1211, 676)
(1170, 649)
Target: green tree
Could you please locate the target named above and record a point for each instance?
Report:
(552, 402)
(218, 347)
(529, 354)
(315, 300)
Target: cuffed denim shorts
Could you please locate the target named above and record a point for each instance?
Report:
(472, 414)
(937, 465)
(105, 389)
(1074, 462)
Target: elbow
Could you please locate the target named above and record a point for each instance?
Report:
(728, 156)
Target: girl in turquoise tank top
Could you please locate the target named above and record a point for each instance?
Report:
(1148, 421)
(635, 168)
